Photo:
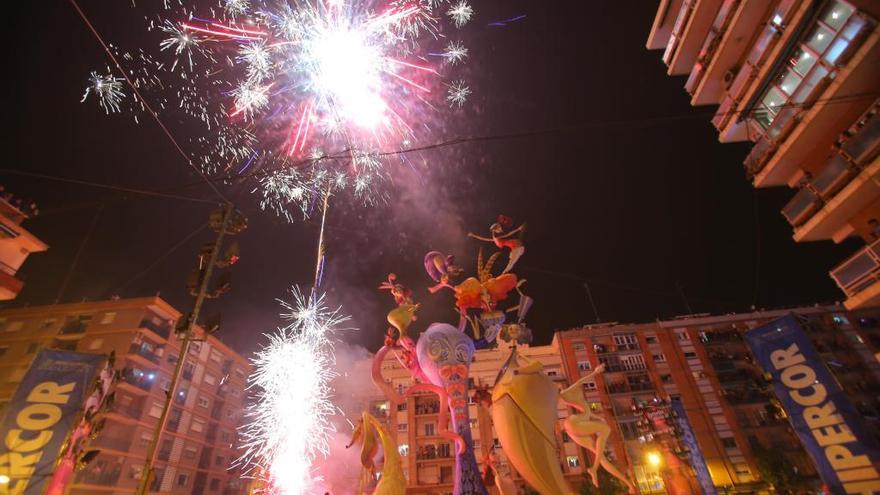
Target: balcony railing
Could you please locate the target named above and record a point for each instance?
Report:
(713, 40)
(115, 443)
(801, 207)
(139, 379)
(134, 410)
(144, 352)
(864, 143)
(160, 330)
(860, 271)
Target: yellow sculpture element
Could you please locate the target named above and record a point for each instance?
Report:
(524, 413)
(588, 431)
(392, 481)
(401, 317)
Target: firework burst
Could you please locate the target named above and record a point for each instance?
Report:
(281, 80)
(107, 89)
(288, 422)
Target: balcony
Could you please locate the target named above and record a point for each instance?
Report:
(160, 330)
(689, 32)
(663, 23)
(144, 352)
(859, 277)
(134, 410)
(847, 184)
(814, 95)
(710, 45)
(139, 379)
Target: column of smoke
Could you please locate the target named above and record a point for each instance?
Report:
(340, 470)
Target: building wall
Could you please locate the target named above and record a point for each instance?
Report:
(798, 79)
(16, 243)
(705, 363)
(200, 441)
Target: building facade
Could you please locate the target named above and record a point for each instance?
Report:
(196, 451)
(428, 458)
(800, 80)
(16, 244)
(700, 361)
(703, 362)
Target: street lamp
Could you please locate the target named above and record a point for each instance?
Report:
(654, 459)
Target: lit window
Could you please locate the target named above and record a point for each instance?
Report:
(402, 427)
(403, 449)
(573, 461)
(578, 346)
(584, 365)
(659, 357)
(203, 401)
(108, 318)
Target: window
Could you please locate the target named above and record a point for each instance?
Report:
(690, 355)
(698, 375)
(190, 452)
(145, 440)
(666, 378)
(198, 425)
(626, 341)
(429, 429)
(164, 384)
(210, 379)
(401, 406)
(552, 373)
(214, 485)
(33, 347)
(96, 344)
(651, 339)
(584, 365)
(659, 357)
(203, 401)
(108, 318)
(219, 461)
(216, 356)
(729, 443)
(816, 57)
(402, 427)
(578, 346)
(182, 479)
(682, 335)
(14, 326)
(573, 461)
(403, 449)
(590, 385)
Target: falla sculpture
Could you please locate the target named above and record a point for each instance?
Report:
(523, 401)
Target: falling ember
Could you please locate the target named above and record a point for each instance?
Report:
(288, 424)
(107, 89)
(457, 94)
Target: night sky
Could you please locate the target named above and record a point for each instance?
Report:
(623, 185)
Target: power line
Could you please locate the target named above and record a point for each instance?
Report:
(160, 259)
(112, 187)
(144, 101)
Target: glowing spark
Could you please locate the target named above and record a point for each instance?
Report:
(288, 423)
(180, 41)
(259, 64)
(455, 52)
(250, 99)
(107, 89)
(236, 8)
(457, 94)
(460, 13)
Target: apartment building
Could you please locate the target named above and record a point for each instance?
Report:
(428, 458)
(197, 449)
(703, 362)
(800, 80)
(16, 244)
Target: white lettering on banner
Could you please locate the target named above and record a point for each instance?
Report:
(828, 428)
(25, 443)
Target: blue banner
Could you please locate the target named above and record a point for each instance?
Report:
(695, 455)
(40, 415)
(828, 425)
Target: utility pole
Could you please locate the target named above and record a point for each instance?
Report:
(187, 334)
